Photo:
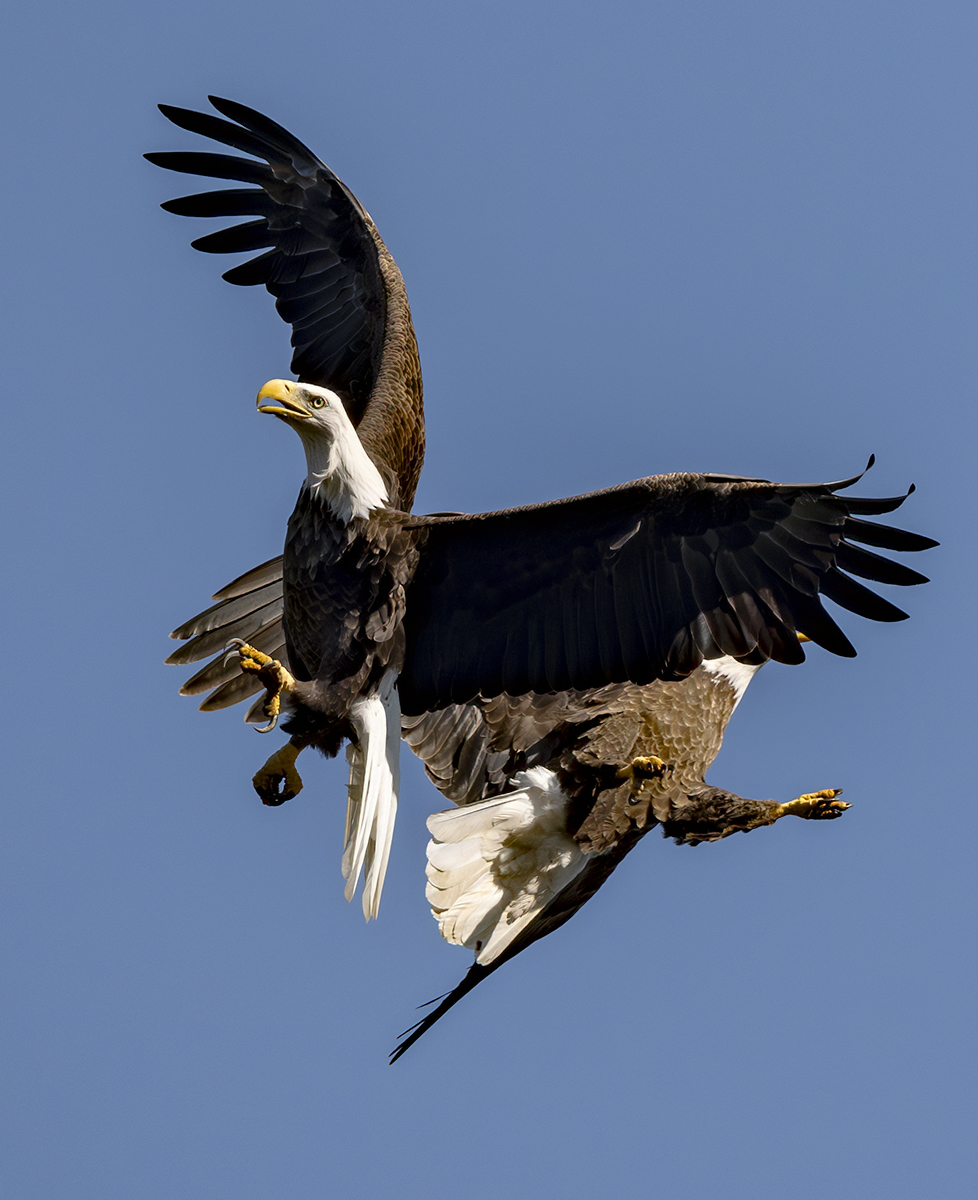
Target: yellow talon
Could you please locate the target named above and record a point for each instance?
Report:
(271, 673)
(249, 659)
(816, 806)
(647, 766)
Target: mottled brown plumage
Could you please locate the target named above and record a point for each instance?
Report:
(475, 751)
(392, 426)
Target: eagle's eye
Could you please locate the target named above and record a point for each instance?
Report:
(318, 401)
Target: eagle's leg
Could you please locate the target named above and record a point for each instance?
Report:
(278, 780)
(713, 813)
(271, 673)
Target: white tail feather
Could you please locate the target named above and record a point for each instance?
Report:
(371, 805)
(493, 866)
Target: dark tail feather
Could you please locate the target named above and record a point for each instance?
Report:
(475, 975)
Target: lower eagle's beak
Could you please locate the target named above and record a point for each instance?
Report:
(288, 407)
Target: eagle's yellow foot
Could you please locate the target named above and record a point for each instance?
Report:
(648, 766)
(271, 673)
(250, 659)
(816, 806)
(278, 780)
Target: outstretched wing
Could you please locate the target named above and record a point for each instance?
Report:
(640, 582)
(332, 277)
(634, 583)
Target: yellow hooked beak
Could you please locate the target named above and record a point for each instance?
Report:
(289, 407)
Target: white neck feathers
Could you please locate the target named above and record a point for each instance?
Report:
(341, 473)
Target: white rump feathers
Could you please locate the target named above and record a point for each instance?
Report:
(371, 804)
(493, 866)
(737, 674)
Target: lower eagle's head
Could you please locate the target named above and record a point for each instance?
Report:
(340, 471)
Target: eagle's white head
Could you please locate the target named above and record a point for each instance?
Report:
(340, 471)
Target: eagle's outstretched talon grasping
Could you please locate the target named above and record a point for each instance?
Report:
(271, 673)
(278, 780)
(816, 806)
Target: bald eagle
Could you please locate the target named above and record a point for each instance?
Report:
(335, 282)
(566, 670)
(553, 792)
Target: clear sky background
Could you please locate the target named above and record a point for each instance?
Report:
(637, 237)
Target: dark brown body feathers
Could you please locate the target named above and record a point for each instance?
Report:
(344, 602)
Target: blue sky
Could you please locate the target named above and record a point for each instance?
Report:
(636, 238)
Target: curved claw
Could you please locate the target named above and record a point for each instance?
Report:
(271, 673)
(817, 806)
(238, 645)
